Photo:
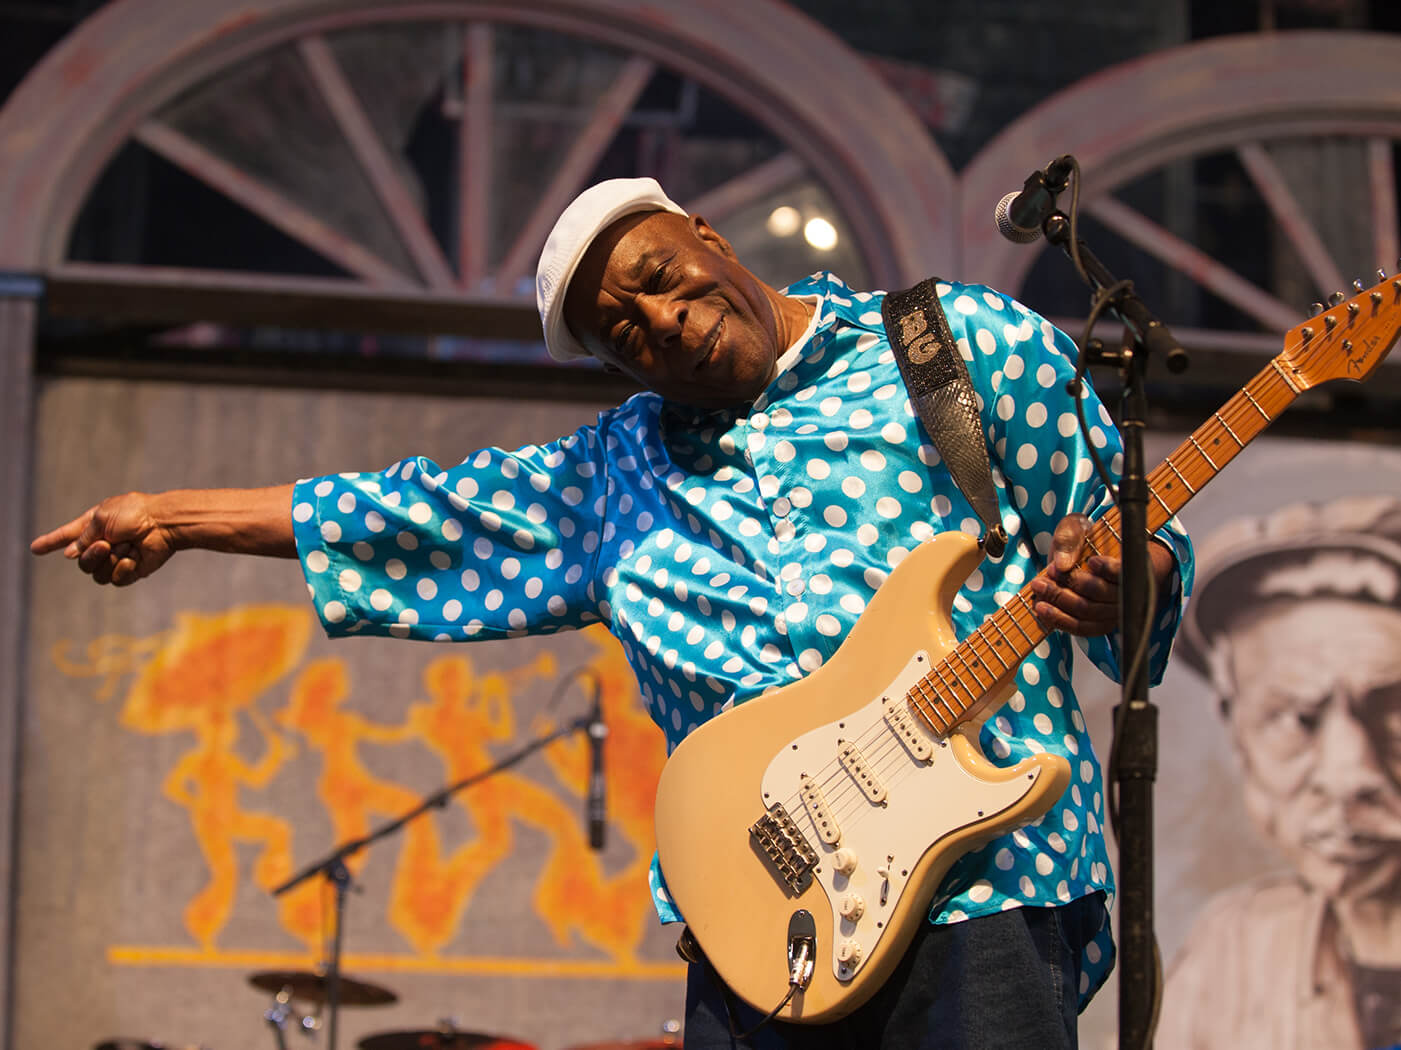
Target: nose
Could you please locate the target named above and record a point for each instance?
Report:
(665, 317)
(1348, 766)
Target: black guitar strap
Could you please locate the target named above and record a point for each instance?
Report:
(942, 394)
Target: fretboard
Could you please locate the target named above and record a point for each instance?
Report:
(956, 686)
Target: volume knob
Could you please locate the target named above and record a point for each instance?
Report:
(852, 907)
(844, 861)
(849, 953)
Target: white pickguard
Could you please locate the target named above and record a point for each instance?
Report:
(923, 802)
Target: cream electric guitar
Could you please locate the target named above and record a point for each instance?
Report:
(807, 830)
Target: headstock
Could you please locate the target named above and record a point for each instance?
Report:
(1349, 339)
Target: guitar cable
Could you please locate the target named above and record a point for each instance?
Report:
(800, 973)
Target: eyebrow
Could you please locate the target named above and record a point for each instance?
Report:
(633, 273)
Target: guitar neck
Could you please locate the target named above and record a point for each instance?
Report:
(956, 688)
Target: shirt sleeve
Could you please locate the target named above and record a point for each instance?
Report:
(1020, 364)
(503, 544)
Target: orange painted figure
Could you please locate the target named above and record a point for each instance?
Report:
(351, 794)
(210, 668)
(464, 712)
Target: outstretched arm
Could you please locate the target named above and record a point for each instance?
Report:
(126, 538)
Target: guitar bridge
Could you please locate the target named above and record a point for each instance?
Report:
(792, 857)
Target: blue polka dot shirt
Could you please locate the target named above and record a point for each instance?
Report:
(732, 551)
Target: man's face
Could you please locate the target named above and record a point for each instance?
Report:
(661, 297)
(1316, 714)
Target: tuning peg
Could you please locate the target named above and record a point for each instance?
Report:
(1315, 309)
(1357, 285)
(1381, 275)
(1336, 298)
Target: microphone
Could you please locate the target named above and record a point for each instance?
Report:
(1019, 214)
(596, 809)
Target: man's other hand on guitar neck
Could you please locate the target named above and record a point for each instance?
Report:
(1083, 598)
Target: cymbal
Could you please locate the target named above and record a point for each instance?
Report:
(312, 986)
(439, 1039)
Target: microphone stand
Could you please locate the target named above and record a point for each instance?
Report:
(1136, 719)
(334, 867)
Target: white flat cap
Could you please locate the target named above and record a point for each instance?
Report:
(590, 213)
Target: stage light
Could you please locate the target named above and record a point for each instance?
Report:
(821, 234)
(784, 221)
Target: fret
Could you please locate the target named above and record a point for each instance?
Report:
(992, 649)
(1197, 445)
(1238, 441)
(959, 655)
(1112, 530)
(1030, 642)
(922, 701)
(1185, 483)
(948, 689)
(930, 714)
(1251, 398)
(973, 670)
(998, 628)
(957, 677)
(1285, 376)
(1154, 493)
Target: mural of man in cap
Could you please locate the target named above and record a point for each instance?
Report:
(1296, 624)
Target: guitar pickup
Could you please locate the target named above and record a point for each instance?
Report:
(854, 762)
(816, 804)
(779, 838)
(902, 724)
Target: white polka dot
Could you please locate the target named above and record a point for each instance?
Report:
(334, 611)
(395, 569)
(302, 512)
(349, 580)
(330, 531)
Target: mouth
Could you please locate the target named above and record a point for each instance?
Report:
(1354, 847)
(709, 345)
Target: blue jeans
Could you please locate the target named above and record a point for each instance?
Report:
(1008, 981)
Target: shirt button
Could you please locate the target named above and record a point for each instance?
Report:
(782, 506)
(796, 588)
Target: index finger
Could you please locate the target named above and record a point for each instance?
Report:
(61, 536)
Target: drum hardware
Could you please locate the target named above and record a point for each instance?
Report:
(315, 987)
(287, 985)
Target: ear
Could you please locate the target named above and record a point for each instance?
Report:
(710, 236)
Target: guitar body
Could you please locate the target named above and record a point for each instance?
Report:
(900, 819)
